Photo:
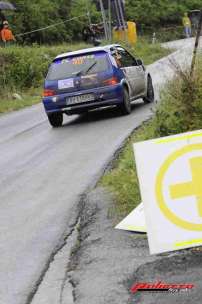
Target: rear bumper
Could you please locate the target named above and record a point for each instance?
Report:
(106, 96)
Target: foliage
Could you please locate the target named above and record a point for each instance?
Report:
(148, 52)
(79, 6)
(23, 70)
(181, 107)
(180, 110)
(159, 12)
(36, 14)
(25, 67)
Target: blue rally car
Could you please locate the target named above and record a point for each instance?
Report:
(92, 78)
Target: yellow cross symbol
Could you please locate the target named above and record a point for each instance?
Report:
(193, 188)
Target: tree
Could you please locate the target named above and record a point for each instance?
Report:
(34, 14)
(89, 12)
(159, 12)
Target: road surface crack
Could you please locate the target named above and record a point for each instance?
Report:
(87, 216)
(67, 276)
(51, 258)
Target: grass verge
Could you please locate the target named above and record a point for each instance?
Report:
(24, 69)
(8, 103)
(148, 52)
(180, 110)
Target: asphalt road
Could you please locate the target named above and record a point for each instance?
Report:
(108, 262)
(43, 173)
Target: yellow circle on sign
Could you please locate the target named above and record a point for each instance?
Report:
(159, 189)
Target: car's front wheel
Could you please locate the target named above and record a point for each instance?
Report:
(55, 119)
(126, 105)
(150, 91)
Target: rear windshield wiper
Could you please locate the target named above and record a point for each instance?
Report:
(86, 70)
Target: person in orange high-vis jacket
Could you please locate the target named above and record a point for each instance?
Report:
(6, 34)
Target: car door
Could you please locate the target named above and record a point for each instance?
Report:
(141, 80)
(135, 73)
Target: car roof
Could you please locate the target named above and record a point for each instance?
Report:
(106, 48)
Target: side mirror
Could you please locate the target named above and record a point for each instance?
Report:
(139, 62)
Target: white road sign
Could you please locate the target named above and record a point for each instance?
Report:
(170, 177)
(135, 221)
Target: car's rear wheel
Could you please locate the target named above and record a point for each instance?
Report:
(126, 105)
(55, 119)
(150, 91)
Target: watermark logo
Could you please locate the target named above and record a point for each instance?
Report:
(161, 287)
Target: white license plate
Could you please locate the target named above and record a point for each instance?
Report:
(80, 99)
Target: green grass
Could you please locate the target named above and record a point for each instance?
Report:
(8, 103)
(149, 52)
(23, 69)
(122, 179)
(175, 114)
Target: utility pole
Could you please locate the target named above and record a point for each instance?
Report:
(110, 20)
(120, 3)
(117, 13)
(104, 19)
(196, 44)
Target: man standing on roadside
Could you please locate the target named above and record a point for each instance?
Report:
(6, 34)
(187, 25)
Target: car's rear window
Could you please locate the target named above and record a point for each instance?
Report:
(71, 66)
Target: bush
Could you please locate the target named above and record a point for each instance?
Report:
(181, 106)
(38, 14)
(159, 13)
(25, 67)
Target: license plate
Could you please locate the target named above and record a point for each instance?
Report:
(80, 99)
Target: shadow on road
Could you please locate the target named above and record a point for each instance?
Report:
(100, 114)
